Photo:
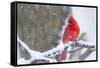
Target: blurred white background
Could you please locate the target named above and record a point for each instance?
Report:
(5, 34)
(86, 18)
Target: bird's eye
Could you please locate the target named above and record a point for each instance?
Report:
(70, 23)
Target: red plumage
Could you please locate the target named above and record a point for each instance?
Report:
(70, 34)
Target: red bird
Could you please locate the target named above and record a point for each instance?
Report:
(70, 34)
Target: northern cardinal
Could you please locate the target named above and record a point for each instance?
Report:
(71, 33)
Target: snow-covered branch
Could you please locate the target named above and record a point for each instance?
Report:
(35, 55)
(50, 54)
(57, 50)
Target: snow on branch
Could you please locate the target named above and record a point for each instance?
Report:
(59, 49)
(50, 54)
(35, 55)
